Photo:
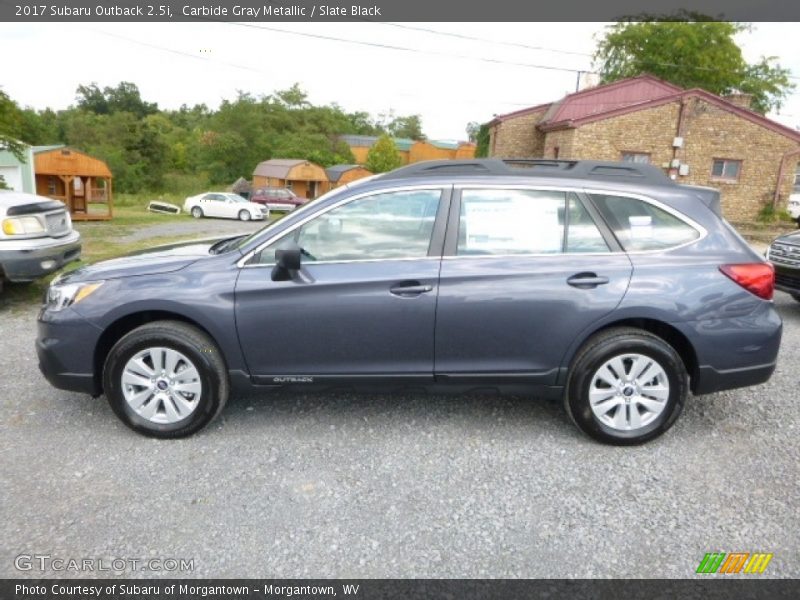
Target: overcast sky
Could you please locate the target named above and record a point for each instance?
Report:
(447, 79)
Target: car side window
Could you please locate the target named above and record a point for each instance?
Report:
(583, 236)
(383, 226)
(639, 225)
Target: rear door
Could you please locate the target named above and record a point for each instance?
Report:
(525, 271)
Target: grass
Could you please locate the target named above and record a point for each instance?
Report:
(100, 240)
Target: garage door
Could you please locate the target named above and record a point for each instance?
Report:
(13, 177)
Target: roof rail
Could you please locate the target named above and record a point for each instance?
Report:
(536, 167)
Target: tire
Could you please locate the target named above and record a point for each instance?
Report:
(197, 212)
(635, 410)
(173, 405)
(244, 215)
(795, 296)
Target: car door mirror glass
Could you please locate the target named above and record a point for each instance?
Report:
(287, 263)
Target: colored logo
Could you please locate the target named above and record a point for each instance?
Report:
(734, 562)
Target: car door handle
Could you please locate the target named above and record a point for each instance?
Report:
(587, 281)
(410, 288)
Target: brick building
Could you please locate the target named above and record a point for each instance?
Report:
(697, 137)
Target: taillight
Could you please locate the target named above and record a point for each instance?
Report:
(758, 278)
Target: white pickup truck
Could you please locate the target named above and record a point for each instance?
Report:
(36, 236)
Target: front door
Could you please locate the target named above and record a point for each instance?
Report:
(362, 305)
(525, 272)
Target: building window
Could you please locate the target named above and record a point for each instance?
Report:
(51, 185)
(727, 169)
(797, 178)
(556, 152)
(636, 157)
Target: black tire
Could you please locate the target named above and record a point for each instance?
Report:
(197, 212)
(796, 297)
(605, 346)
(244, 215)
(195, 345)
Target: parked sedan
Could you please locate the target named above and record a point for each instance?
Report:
(227, 206)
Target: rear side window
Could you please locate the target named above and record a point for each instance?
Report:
(640, 225)
(508, 221)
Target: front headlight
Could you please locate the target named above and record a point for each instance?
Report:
(60, 296)
(22, 226)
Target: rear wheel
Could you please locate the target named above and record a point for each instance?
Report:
(626, 386)
(244, 215)
(197, 212)
(166, 379)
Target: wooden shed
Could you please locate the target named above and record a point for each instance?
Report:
(304, 178)
(81, 181)
(344, 174)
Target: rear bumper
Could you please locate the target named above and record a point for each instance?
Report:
(735, 352)
(709, 380)
(26, 260)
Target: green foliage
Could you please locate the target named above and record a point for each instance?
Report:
(482, 141)
(11, 126)
(769, 214)
(152, 151)
(409, 127)
(690, 50)
(383, 156)
(3, 184)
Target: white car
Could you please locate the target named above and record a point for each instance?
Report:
(794, 206)
(227, 206)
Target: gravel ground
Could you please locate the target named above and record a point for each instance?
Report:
(398, 486)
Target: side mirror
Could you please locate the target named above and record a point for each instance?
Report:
(287, 262)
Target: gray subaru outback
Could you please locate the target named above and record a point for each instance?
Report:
(606, 285)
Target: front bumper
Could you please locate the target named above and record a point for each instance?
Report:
(787, 279)
(26, 260)
(65, 346)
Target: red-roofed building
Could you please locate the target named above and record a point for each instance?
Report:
(697, 137)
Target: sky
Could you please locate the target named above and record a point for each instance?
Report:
(440, 73)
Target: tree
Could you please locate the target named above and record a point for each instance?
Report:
(10, 126)
(409, 127)
(123, 98)
(383, 156)
(690, 50)
(482, 141)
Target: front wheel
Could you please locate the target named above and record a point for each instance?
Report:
(626, 387)
(197, 212)
(244, 215)
(166, 379)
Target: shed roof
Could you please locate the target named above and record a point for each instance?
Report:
(335, 172)
(278, 167)
(37, 149)
(62, 160)
(368, 141)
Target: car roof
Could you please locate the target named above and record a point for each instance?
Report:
(533, 169)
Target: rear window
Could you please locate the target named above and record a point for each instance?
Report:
(640, 225)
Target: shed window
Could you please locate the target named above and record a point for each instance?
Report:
(51, 185)
(797, 178)
(636, 157)
(724, 168)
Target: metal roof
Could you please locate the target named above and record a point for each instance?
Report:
(336, 171)
(277, 167)
(368, 141)
(47, 148)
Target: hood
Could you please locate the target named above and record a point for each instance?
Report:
(160, 259)
(790, 238)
